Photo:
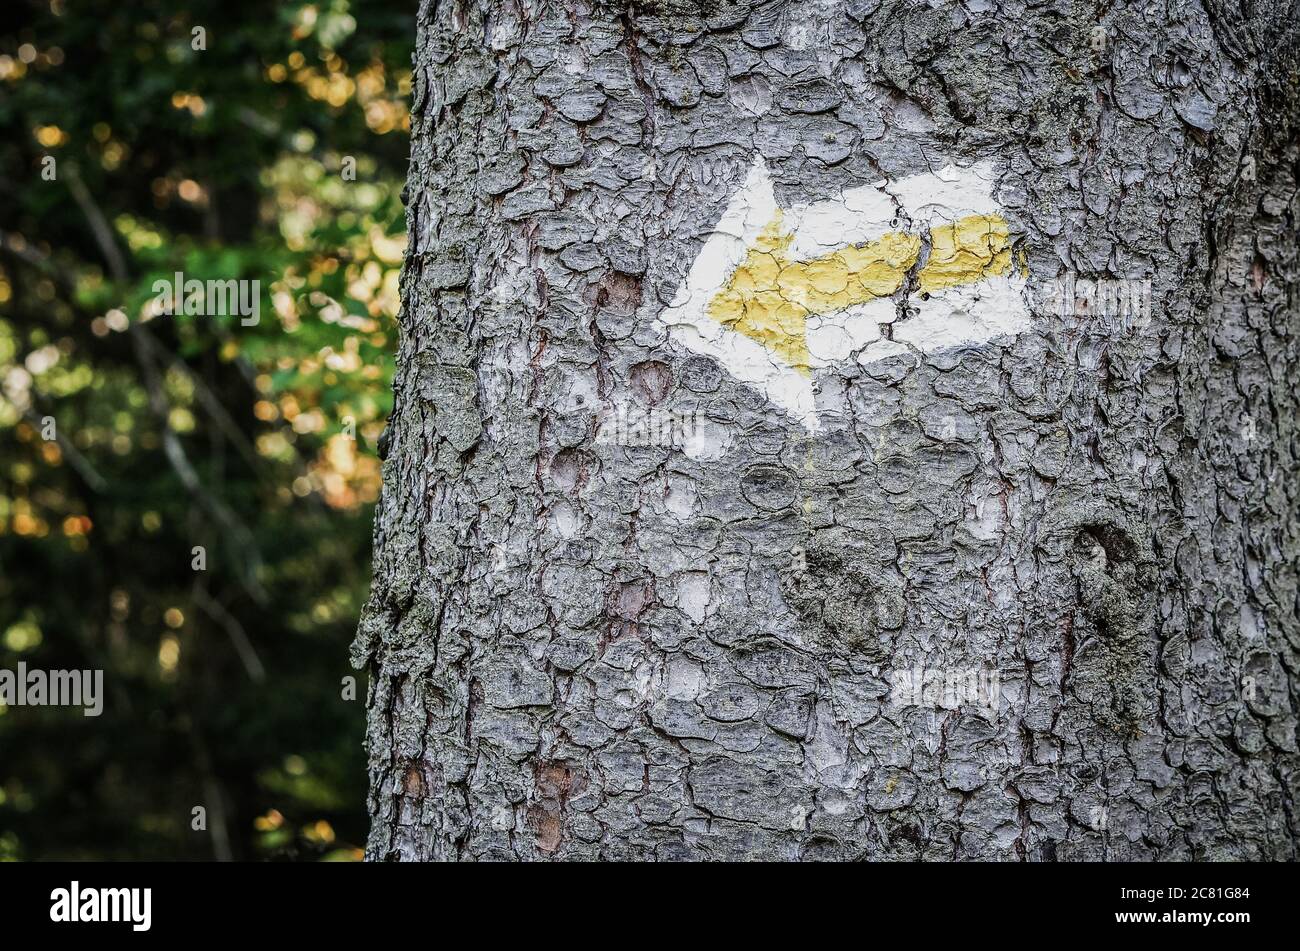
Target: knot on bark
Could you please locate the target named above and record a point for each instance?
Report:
(847, 608)
(1114, 669)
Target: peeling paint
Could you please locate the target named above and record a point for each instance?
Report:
(776, 293)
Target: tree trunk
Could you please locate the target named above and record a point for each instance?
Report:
(842, 429)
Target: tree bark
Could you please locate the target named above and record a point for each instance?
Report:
(1028, 597)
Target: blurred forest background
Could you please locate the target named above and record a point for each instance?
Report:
(224, 688)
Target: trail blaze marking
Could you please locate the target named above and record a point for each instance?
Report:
(776, 293)
(770, 297)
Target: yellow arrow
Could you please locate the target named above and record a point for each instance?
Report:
(770, 297)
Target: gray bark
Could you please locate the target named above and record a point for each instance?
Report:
(581, 649)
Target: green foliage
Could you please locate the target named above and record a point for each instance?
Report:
(224, 154)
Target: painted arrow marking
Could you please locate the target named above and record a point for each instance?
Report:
(776, 293)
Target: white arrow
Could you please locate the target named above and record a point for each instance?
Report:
(764, 294)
